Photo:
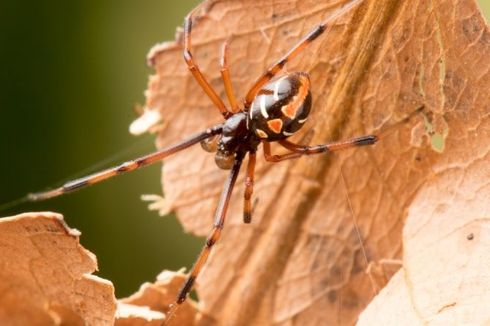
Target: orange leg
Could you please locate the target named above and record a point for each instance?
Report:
(195, 70)
(219, 222)
(249, 186)
(298, 150)
(225, 74)
(125, 167)
(277, 67)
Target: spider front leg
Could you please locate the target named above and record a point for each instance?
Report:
(293, 52)
(128, 166)
(213, 237)
(299, 150)
(249, 186)
(194, 69)
(225, 75)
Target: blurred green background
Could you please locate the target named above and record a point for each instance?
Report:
(71, 73)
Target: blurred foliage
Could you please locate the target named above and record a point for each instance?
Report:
(485, 7)
(71, 72)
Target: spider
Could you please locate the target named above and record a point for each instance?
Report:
(272, 111)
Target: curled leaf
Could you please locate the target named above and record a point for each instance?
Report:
(45, 275)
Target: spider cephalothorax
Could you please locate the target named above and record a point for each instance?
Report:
(235, 137)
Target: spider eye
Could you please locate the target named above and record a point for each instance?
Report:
(224, 161)
(210, 144)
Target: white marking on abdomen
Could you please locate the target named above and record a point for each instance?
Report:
(262, 107)
(276, 88)
(261, 133)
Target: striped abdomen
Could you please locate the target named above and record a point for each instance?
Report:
(281, 107)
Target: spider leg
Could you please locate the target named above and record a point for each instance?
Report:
(293, 52)
(194, 69)
(249, 186)
(299, 150)
(213, 237)
(225, 74)
(269, 157)
(126, 166)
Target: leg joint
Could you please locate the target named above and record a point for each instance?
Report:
(184, 291)
(281, 63)
(188, 57)
(316, 32)
(210, 242)
(272, 158)
(366, 140)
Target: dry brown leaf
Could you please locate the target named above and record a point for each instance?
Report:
(444, 279)
(301, 262)
(45, 275)
(45, 279)
(150, 303)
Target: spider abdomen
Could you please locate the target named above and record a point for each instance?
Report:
(281, 107)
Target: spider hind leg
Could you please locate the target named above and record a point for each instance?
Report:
(300, 150)
(249, 184)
